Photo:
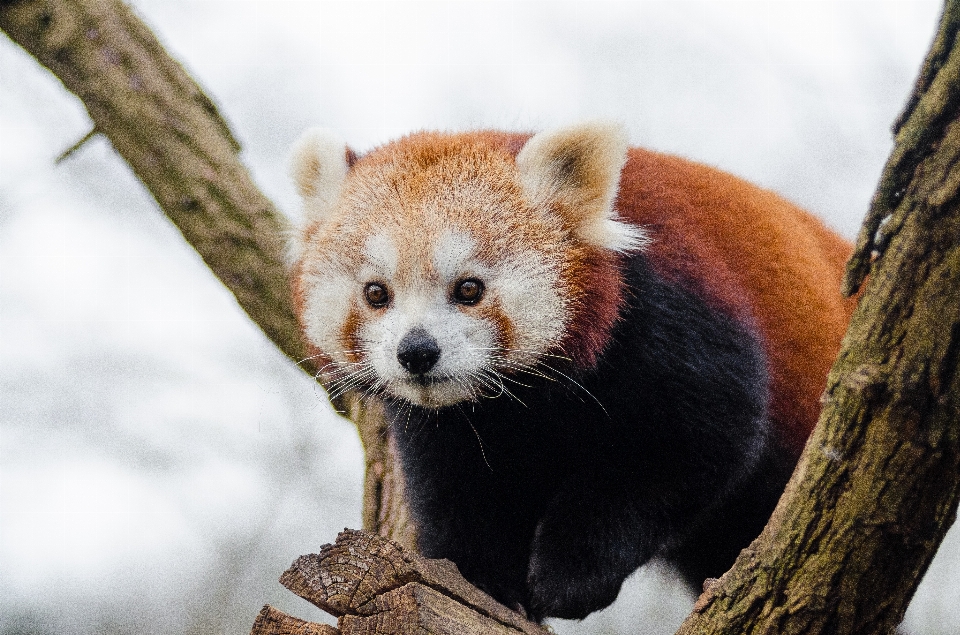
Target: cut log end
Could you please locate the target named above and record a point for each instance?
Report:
(373, 585)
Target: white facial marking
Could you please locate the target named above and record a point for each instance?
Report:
(527, 287)
(453, 255)
(328, 298)
(381, 257)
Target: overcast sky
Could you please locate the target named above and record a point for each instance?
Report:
(160, 463)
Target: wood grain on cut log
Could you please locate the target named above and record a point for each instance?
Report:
(274, 622)
(369, 582)
(416, 608)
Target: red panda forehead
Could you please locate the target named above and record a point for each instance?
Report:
(423, 149)
(424, 187)
(438, 169)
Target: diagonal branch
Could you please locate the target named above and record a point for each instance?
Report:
(171, 134)
(173, 138)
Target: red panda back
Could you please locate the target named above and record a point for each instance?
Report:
(756, 256)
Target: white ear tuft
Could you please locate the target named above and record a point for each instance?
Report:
(578, 167)
(319, 166)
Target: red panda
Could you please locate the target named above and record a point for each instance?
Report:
(590, 354)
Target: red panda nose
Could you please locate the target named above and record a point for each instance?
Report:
(418, 351)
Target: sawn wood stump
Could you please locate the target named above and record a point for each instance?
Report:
(376, 587)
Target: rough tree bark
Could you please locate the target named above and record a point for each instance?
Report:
(877, 486)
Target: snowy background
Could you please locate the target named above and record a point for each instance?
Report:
(160, 462)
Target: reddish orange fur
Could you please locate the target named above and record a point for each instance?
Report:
(758, 256)
(495, 315)
(597, 287)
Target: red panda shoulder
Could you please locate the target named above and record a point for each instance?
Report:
(754, 256)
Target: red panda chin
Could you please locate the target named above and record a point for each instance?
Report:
(431, 392)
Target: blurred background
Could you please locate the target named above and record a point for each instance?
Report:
(160, 462)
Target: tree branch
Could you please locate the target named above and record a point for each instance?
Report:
(172, 136)
(921, 124)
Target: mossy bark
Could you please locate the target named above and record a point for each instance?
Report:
(878, 484)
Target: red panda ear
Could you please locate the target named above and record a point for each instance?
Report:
(319, 164)
(578, 169)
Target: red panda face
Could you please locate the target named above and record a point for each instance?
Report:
(436, 266)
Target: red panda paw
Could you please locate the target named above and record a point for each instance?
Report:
(557, 590)
(576, 567)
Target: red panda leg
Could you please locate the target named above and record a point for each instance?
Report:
(584, 547)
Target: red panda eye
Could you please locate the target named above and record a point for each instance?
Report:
(376, 295)
(468, 291)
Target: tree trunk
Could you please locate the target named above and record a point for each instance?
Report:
(878, 484)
